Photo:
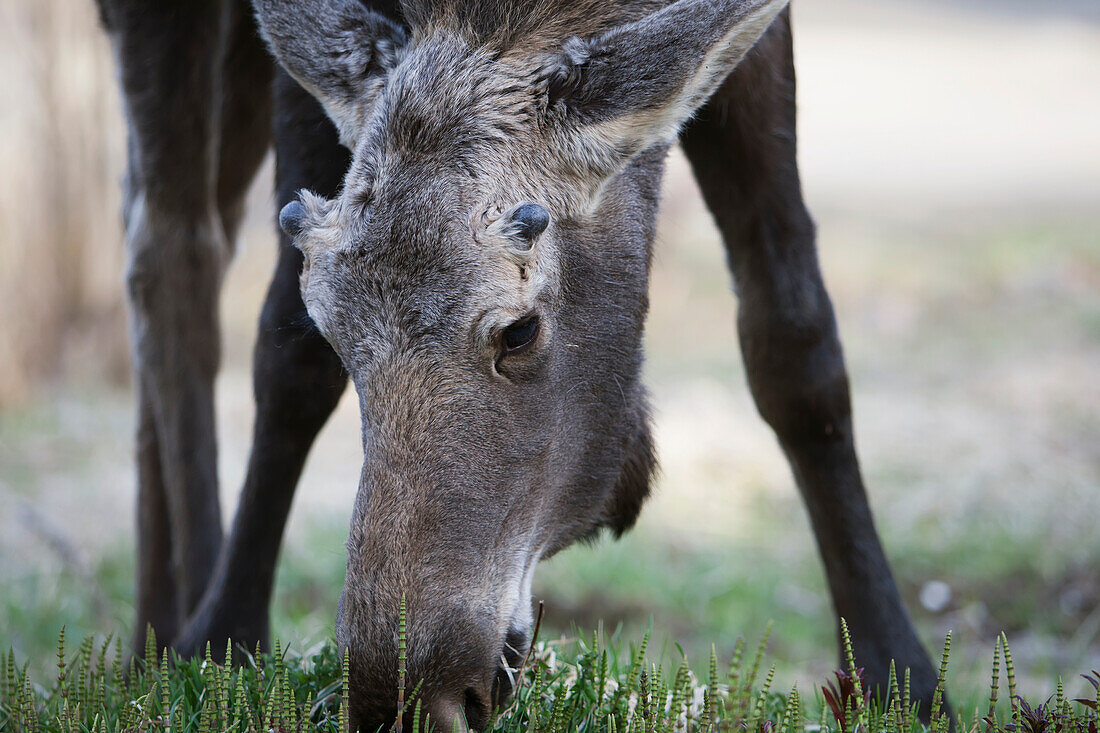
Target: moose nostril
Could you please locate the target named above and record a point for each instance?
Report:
(476, 708)
(509, 667)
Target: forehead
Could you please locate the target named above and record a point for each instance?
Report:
(441, 143)
(446, 100)
(444, 146)
(440, 149)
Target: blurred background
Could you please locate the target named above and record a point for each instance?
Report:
(951, 156)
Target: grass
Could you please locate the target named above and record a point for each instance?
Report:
(696, 591)
(593, 682)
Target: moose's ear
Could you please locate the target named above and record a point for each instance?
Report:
(339, 51)
(635, 85)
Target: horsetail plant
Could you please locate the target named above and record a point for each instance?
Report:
(746, 689)
(991, 716)
(345, 703)
(908, 709)
(568, 686)
(401, 665)
(941, 722)
(1010, 672)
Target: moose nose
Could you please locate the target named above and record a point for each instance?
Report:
(441, 712)
(436, 692)
(469, 711)
(452, 713)
(444, 706)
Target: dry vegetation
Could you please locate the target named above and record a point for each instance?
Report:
(61, 142)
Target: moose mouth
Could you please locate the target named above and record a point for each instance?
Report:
(475, 710)
(510, 668)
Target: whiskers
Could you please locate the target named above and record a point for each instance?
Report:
(513, 662)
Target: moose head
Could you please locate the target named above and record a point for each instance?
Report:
(483, 277)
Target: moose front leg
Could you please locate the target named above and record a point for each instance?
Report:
(155, 592)
(176, 256)
(742, 148)
(298, 380)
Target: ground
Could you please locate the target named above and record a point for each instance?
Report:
(952, 164)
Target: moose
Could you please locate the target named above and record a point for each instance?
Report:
(468, 191)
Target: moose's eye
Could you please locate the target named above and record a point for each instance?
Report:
(521, 334)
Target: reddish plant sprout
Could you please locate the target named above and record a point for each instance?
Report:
(1034, 720)
(1085, 726)
(1095, 682)
(842, 698)
(1089, 725)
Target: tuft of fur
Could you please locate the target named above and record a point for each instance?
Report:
(534, 25)
(635, 480)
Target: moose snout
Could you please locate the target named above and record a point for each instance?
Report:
(444, 713)
(445, 705)
(457, 665)
(440, 712)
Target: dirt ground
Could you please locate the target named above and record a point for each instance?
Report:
(951, 158)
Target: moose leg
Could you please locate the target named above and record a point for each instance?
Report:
(298, 381)
(168, 55)
(155, 599)
(246, 105)
(742, 147)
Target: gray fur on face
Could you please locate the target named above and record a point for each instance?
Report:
(480, 459)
